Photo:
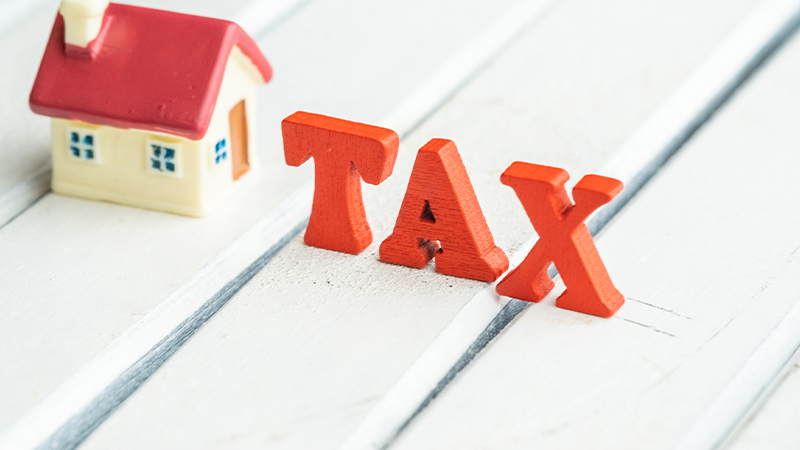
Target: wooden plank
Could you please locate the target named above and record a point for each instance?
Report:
(39, 339)
(755, 378)
(26, 136)
(774, 424)
(634, 163)
(707, 257)
(301, 354)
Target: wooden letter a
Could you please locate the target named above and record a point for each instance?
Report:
(440, 217)
(344, 153)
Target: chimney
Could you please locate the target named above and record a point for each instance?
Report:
(83, 20)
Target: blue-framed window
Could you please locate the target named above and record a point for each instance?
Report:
(221, 149)
(82, 144)
(164, 158)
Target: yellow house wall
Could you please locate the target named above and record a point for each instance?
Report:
(121, 176)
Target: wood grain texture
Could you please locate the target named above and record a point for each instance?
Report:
(663, 133)
(440, 219)
(564, 240)
(35, 256)
(64, 417)
(345, 153)
(774, 424)
(706, 278)
(761, 371)
(126, 260)
(299, 356)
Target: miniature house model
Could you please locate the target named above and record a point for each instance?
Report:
(149, 108)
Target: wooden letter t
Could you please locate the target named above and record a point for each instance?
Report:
(344, 152)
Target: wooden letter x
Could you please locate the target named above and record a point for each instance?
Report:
(563, 240)
(344, 152)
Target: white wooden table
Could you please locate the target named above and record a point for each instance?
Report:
(123, 328)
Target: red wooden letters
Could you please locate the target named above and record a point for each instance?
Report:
(440, 217)
(563, 239)
(344, 152)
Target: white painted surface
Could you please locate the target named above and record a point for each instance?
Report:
(774, 425)
(260, 16)
(460, 68)
(15, 11)
(26, 148)
(707, 257)
(108, 377)
(638, 158)
(98, 268)
(299, 356)
(156, 335)
(741, 393)
(25, 193)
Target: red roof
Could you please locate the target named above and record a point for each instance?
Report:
(154, 70)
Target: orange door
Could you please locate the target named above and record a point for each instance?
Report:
(238, 121)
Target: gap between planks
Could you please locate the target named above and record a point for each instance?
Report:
(639, 158)
(73, 410)
(718, 424)
(765, 413)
